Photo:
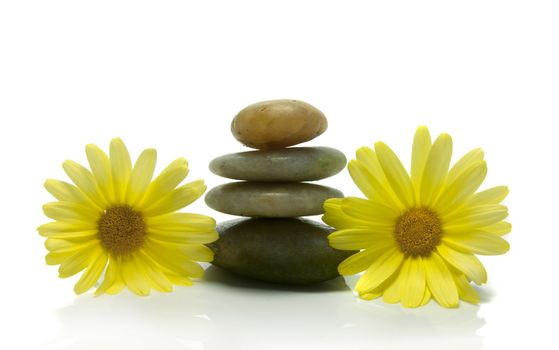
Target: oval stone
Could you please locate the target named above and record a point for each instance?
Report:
(288, 164)
(261, 199)
(278, 124)
(293, 251)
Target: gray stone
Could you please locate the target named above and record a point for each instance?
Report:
(270, 199)
(292, 251)
(288, 164)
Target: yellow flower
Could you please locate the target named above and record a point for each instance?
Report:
(119, 222)
(417, 233)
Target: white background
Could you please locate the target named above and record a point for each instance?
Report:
(172, 74)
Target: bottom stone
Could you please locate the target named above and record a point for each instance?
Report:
(287, 250)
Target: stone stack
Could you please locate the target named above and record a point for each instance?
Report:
(275, 244)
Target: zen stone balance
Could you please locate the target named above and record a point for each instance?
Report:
(273, 244)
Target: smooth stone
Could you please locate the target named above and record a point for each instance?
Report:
(288, 164)
(278, 124)
(293, 251)
(267, 199)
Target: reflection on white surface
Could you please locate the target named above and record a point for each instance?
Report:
(227, 312)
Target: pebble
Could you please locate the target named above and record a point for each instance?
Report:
(292, 251)
(289, 164)
(261, 199)
(278, 124)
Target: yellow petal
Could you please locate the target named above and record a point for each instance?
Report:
(66, 192)
(136, 282)
(202, 237)
(182, 222)
(380, 271)
(440, 281)
(468, 264)
(475, 217)
(499, 228)
(436, 168)
(101, 169)
(467, 161)
(85, 181)
(191, 251)
(353, 239)
(169, 178)
(370, 186)
(334, 216)
(369, 159)
(370, 296)
(78, 261)
(92, 273)
(465, 290)
(71, 212)
(177, 199)
(141, 176)
(179, 280)
(361, 261)
(493, 195)
(426, 296)
(420, 152)
(396, 174)
(482, 243)
(412, 288)
(463, 187)
(121, 168)
(172, 261)
(391, 294)
(61, 227)
(118, 283)
(60, 256)
(156, 277)
(368, 210)
(109, 278)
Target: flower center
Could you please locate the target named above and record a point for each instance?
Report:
(121, 230)
(418, 232)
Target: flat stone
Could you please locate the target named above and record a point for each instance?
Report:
(278, 124)
(292, 251)
(270, 199)
(288, 164)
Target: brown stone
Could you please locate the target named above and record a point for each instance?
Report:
(277, 124)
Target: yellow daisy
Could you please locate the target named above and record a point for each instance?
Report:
(117, 221)
(417, 233)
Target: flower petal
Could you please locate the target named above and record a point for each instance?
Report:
(177, 199)
(493, 195)
(92, 273)
(78, 261)
(101, 168)
(396, 174)
(436, 168)
(482, 243)
(475, 217)
(368, 210)
(136, 282)
(465, 290)
(56, 227)
(371, 187)
(169, 178)
(354, 239)
(380, 271)
(361, 261)
(420, 152)
(71, 212)
(466, 162)
(183, 222)
(187, 237)
(121, 168)
(391, 294)
(141, 176)
(468, 264)
(456, 192)
(412, 288)
(85, 181)
(440, 281)
(109, 278)
(66, 192)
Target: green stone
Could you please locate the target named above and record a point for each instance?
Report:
(268, 199)
(288, 250)
(288, 164)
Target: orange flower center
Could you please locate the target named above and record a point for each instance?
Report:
(121, 230)
(418, 232)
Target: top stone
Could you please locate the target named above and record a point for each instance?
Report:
(278, 124)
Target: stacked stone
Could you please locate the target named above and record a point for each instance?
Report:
(275, 244)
